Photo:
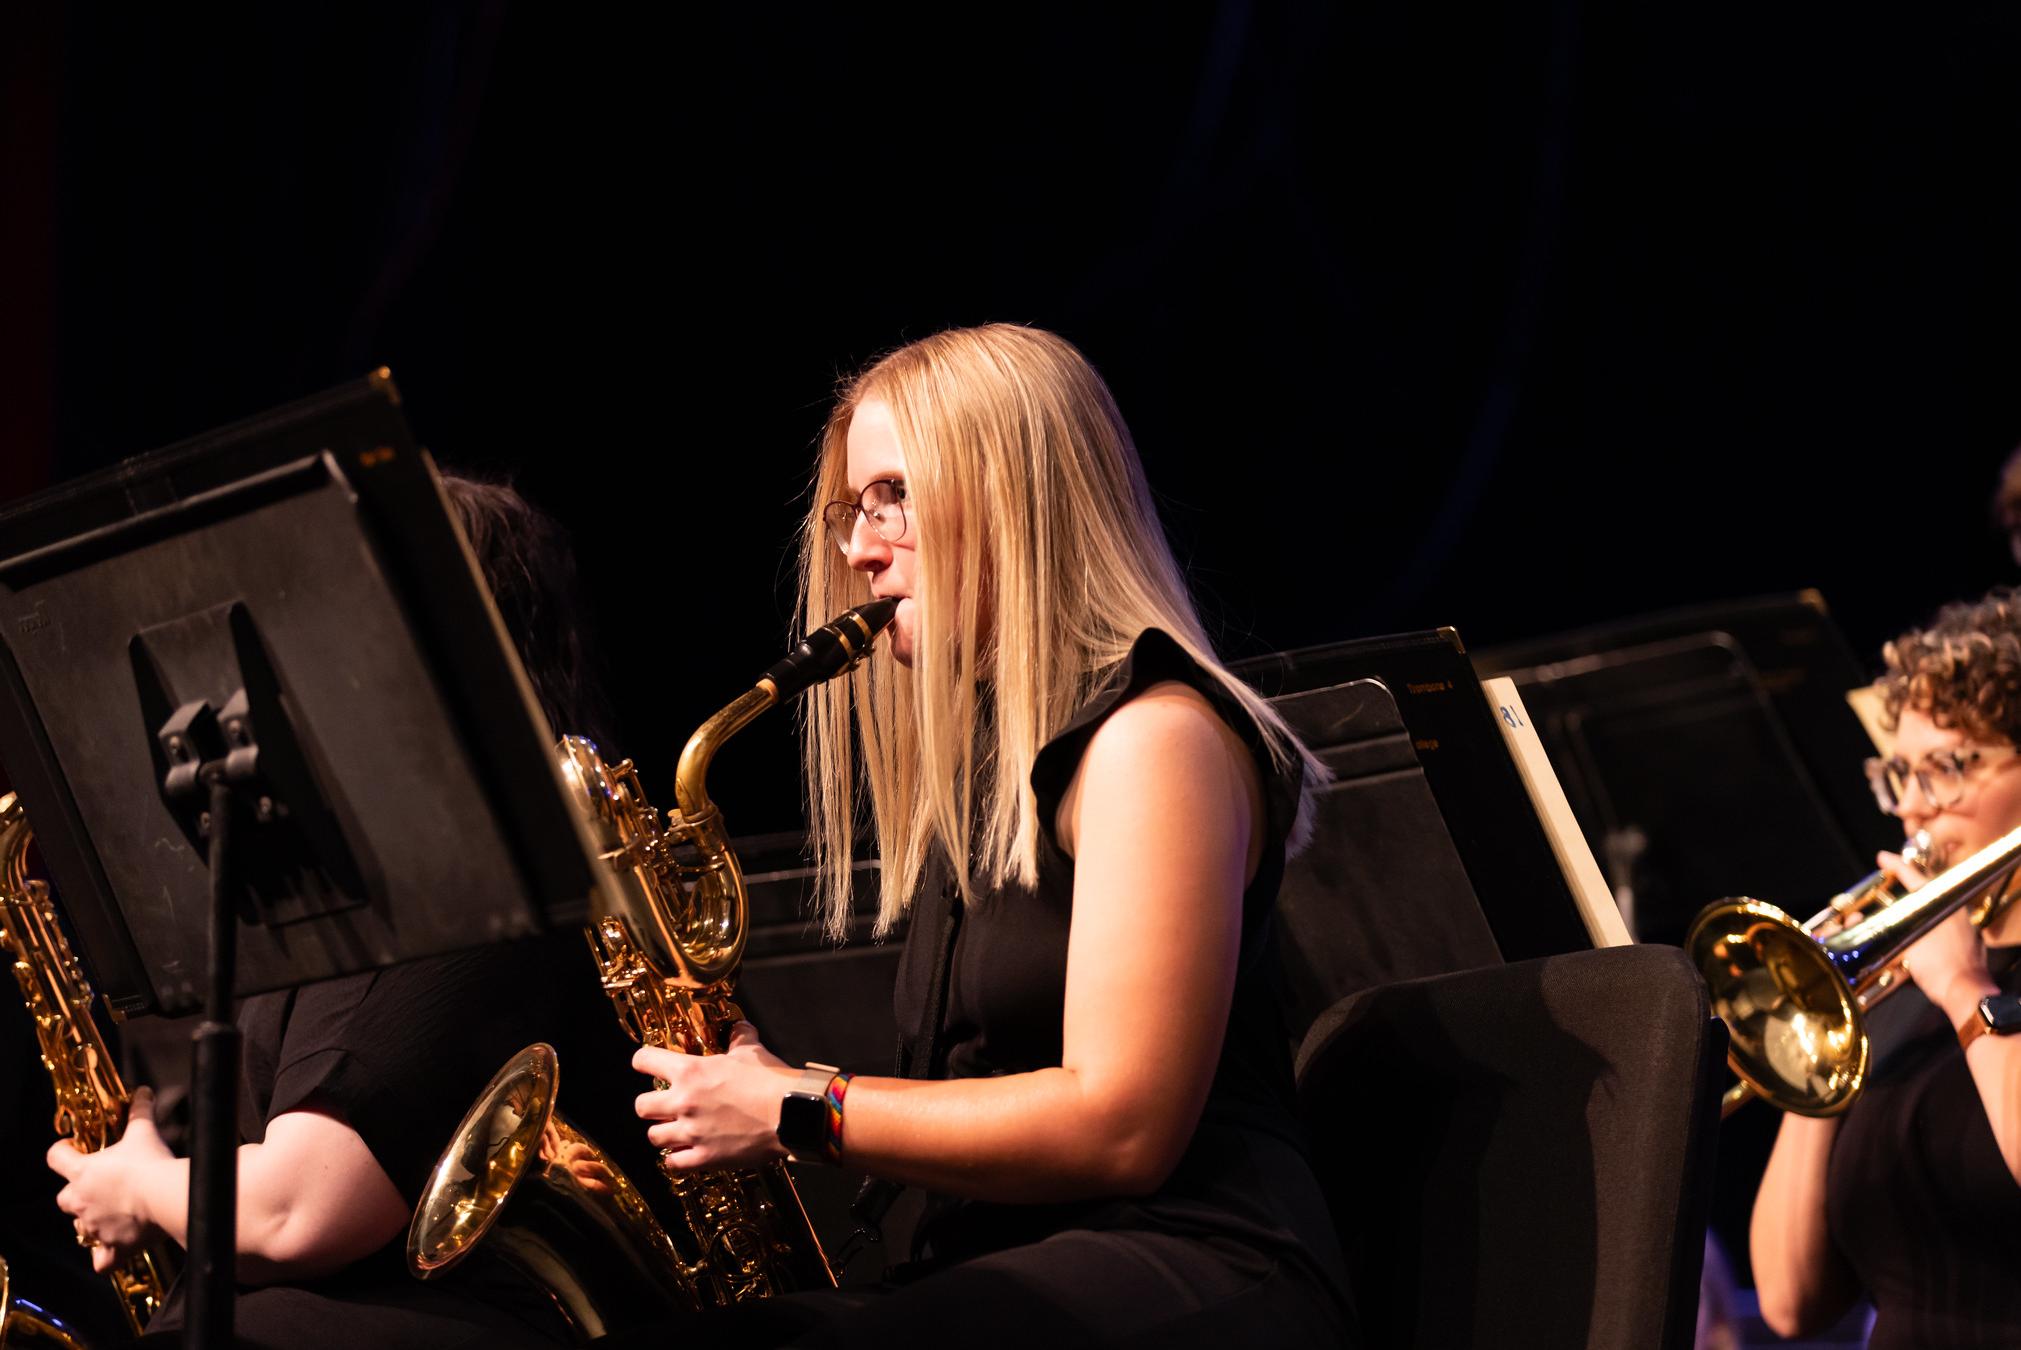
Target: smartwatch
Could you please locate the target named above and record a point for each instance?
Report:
(1997, 1015)
(803, 1114)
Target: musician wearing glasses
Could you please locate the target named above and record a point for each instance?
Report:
(1914, 1195)
(1085, 817)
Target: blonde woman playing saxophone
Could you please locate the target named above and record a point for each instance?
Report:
(1086, 818)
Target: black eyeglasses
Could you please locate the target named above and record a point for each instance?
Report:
(1941, 775)
(882, 503)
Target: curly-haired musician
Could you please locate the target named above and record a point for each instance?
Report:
(1914, 1196)
(350, 1085)
(1085, 817)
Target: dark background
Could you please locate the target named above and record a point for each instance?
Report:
(1513, 320)
(1517, 320)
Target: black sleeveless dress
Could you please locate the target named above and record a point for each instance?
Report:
(1920, 1203)
(1236, 1248)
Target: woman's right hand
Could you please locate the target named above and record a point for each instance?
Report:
(104, 1196)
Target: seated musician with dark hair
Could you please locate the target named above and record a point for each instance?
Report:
(352, 1086)
(1914, 1195)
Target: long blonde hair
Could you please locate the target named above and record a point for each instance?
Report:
(1040, 561)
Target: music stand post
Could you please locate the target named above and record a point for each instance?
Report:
(214, 1173)
(256, 677)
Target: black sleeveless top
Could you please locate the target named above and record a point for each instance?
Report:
(1919, 1201)
(996, 973)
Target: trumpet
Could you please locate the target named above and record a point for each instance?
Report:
(1794, 996)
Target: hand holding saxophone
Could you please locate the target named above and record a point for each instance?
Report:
(104, 1194)
(715, 1110)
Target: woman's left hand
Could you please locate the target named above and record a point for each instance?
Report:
(716, 1110)
(102, 1196)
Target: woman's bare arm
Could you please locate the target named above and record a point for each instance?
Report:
(1162, 821)
(311, 1197)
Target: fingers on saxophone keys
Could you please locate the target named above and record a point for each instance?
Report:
(63, 1158)
(664, 1104)
(675, 1161)
(657, 1061)
(671, 1136)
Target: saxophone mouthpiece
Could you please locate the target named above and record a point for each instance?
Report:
(829, 650)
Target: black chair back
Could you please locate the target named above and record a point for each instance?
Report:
(1521, 1155)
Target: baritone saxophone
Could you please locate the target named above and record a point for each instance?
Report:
(519, 1182)
(91, 1097)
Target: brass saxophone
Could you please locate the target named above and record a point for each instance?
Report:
(91, 1098)
(668, 960)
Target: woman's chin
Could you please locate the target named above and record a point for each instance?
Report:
(901, 632)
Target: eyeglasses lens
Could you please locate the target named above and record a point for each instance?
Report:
(1941, 778)
(841, 518)
(879, 504)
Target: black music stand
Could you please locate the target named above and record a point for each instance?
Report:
(268, 728)
(1428, 683)
(1709, 752)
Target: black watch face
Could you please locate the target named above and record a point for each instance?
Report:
(2003, 1013)
(803, 1124)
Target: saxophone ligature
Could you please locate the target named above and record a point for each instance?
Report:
(522, 1184)
(91, 1097)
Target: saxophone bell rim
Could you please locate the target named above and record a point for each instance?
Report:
(443, 1232)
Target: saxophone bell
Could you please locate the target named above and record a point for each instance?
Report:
(25, 1326)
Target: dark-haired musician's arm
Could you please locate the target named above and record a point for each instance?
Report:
(311, 1197)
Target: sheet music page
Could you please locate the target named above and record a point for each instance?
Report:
(1865, 702)
(1590, 891)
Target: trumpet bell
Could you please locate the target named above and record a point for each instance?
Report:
(1792, 1016)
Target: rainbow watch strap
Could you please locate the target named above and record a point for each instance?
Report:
(831, 1138)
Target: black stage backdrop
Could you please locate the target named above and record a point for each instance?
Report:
(1516, 319)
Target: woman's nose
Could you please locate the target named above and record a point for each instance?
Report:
(867, 551)
(1913, 806)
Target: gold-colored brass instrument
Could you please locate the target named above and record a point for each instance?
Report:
(523, 1184)
(91, 1097)
(23, 1326)
(1794, 996)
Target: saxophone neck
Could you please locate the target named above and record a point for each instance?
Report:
(691, 778)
